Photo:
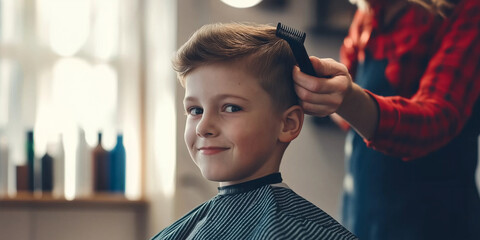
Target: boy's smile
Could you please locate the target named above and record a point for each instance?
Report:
(232, 124)
(211, 150)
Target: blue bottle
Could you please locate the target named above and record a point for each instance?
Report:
(117, 166)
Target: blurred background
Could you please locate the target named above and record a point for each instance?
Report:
(91, 114)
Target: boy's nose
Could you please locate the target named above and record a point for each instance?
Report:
(206, 127)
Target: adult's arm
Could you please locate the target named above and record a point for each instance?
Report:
(407, 127)
(336, 93)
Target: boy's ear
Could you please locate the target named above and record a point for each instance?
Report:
(292, 122)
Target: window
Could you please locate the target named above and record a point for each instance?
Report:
(68, 65)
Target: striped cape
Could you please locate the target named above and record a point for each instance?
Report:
(256, 210)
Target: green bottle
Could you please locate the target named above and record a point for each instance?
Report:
(30, 160)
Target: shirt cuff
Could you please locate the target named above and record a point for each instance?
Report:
(387, 118)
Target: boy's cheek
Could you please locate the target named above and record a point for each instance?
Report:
(189, 135)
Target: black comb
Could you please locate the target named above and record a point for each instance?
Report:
(296, 39)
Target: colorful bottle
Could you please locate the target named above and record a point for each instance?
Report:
(22, 181)
(30, 161)
(117, 166)
(101, 167)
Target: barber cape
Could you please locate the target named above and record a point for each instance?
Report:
(263, 208)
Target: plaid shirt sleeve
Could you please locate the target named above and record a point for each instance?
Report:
(415, 126)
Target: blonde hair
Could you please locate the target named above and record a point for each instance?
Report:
(440, 7)
(261, 52)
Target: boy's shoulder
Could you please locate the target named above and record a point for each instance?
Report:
(299, 218)
(292, 205)
(269, 212)
(182, 227)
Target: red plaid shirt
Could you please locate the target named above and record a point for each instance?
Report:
(435, 102)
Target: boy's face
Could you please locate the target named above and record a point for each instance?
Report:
(232, 126)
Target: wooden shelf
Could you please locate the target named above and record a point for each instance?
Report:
(99, 216)
(103, 200)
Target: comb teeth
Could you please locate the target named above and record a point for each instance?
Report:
(295, 40)
(289, 33)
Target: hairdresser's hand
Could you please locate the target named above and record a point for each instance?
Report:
(334, 92)
(322, 96)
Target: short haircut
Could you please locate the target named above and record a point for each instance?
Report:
(263, 55)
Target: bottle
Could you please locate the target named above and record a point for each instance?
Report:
(117, 166)
(30, 161)
(47, 173)
(101, 168)
(84, 173)
(59, 170)
(22, 180)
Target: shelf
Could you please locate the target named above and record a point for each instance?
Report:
(103, 200)
(100, 216)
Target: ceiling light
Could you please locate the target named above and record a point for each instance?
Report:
(241, 3)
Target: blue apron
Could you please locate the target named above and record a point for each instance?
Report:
(433, 197)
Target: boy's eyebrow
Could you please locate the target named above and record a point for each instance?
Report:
(218, 97)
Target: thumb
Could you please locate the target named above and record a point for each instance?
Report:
(328, 67)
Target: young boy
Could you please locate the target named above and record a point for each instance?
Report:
(242, 112)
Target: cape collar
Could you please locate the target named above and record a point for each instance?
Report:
(251, 185)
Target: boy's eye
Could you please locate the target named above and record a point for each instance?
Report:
(232, 108)
(195, 111)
